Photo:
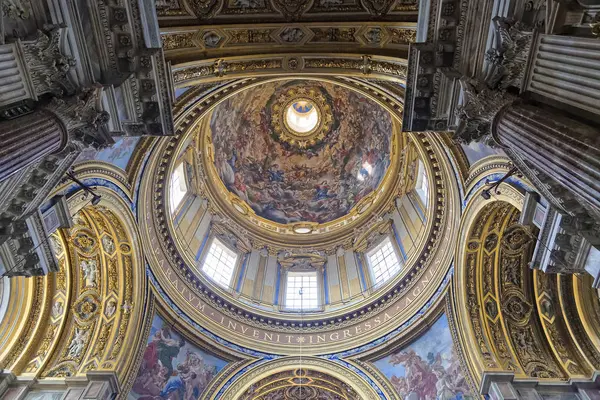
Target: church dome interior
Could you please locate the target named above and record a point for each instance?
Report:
(258, 207)
(299, 200)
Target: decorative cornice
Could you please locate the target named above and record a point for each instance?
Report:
(210, 70)
(222, 11)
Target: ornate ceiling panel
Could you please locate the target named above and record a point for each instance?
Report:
(219, 11)
(385, 38)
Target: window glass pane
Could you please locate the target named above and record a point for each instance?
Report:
(422, 187)
(302, 291)
(384, 262)
(178, 186)
(219, 263)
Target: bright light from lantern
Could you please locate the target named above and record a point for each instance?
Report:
(302, 116)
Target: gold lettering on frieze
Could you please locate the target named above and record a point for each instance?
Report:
(416, 291)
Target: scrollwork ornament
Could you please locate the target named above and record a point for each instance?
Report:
(508, 58)
(478, 111)
(291, 9)
(16, 9)
(377, 7)
(46, 64)
(205, 9)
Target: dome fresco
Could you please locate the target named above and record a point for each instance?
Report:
(289, 173)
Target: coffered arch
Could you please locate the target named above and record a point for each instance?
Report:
(88, 316)
(511, 319)
(315, 375)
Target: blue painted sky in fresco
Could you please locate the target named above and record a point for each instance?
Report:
(436, 340)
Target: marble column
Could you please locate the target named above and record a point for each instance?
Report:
(28, 139)
(552, 145)
(558, 154)
(75, 120)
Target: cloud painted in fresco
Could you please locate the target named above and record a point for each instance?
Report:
(180, 91)
(118, 154)
(427, 368)
(287, 183)
(477, 151)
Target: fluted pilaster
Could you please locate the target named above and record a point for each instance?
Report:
(14, 85)
(565, 69)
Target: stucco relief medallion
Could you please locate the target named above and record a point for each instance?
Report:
(87, 307)
(205, 9)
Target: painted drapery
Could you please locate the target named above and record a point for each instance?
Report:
(173, 368)
(427, 369)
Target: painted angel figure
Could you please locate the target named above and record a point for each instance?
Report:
(90, 271)
(77, 343)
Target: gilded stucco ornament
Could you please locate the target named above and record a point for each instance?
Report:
(377, 7)
(296, 102)
(291, 9)
(332, 378)
(205, 9)
(75, 322)
(515, 316)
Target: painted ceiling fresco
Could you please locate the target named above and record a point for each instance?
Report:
(288, 182)
(428, 368)
(118, 154)
(173, 368)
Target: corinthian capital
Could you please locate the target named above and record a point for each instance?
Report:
(508, 56)
(476, 113)
(81, 110)
(48, 67)
(83, 118)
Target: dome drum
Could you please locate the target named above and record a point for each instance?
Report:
(256, 294)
